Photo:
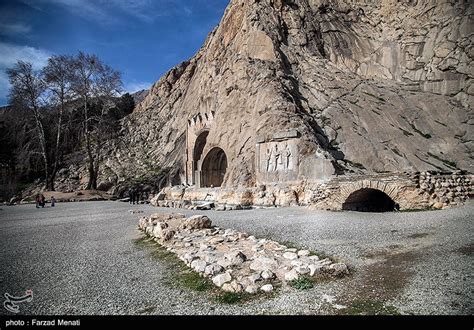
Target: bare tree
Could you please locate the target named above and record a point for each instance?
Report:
(27, 91)
(96, 85)
(57, 75)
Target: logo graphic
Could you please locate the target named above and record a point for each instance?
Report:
(11, 302)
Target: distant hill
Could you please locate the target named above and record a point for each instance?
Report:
(140, 95)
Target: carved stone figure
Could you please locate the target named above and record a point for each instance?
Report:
(269, 159)
(287, 156)
(278, 159)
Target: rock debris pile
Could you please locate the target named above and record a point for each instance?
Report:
(235, 261)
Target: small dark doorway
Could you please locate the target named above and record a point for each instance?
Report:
(369, 200)
(213, 168)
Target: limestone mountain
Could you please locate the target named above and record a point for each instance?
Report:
(370, 86)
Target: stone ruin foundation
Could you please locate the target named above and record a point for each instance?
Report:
(234, 261)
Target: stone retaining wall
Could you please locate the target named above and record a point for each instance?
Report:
(442, 190)
(235, 261)
(408, 190)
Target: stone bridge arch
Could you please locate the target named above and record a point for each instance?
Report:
(367, 195)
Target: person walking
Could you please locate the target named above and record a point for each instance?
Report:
(130, 195)
(42, 200)
(38, 201)
(53, 201)
(139, 194)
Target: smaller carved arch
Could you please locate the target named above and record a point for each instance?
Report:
(368, 195)
(214, 167)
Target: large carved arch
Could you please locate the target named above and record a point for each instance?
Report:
(196, 143)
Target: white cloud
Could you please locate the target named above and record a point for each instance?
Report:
(109, 11)
(132, 87)
(4, 87)
(10, 54)
(14, 28)
(84, 8)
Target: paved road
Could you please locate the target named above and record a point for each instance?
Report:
(80, 258)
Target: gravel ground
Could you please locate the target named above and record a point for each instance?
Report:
(80, 258)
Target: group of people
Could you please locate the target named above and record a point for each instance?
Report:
(134, 193)
(41, 201)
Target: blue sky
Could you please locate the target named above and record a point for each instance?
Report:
(140, 38)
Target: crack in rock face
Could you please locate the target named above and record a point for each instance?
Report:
(234, 261)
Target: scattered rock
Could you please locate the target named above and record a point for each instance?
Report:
(313, 269)
(251, 289)
(255, 278)
(227, 287)
(291, 275)
(199, 265)
(224, 263)
(216, 240)
(235, 257)
(267, 288)
(303, 253)
(264, 263)
(189, 257)
(196, 222)
(213, 269)
(339, 269)
(167, 235)
(290, 255)
(268, 275)
(437, 205)
(205, 206)
(236, 286)
(313, 258)
(220, 279)
(302, 270)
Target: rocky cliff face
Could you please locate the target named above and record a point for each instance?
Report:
(370, 86)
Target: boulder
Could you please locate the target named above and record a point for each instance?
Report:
(235, 257)
(313, 269)
(221, 279)
(303, 253)
(254, 278)
(196, 222)
(199, 265)
(167, 235)
(338, 269)
(267, 288)
(205, 206)
(268, 275)
(302, 270)
(251, 289)
(264, 263)
(291, 275)
(290, 255)
(213, 269)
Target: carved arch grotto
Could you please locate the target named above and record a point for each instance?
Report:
(197, 133)
(213, 168)
(368, 196)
